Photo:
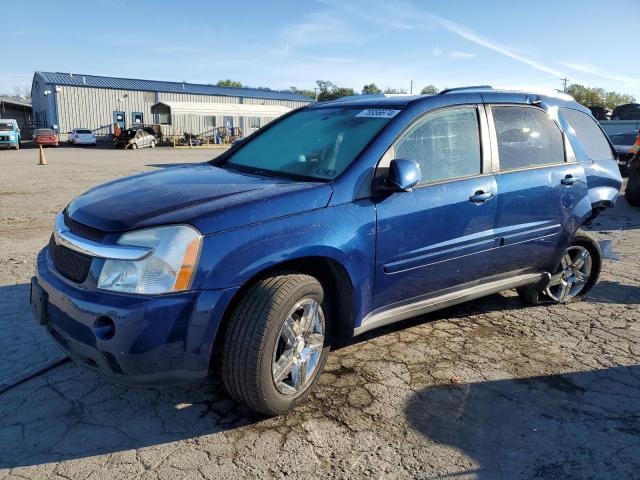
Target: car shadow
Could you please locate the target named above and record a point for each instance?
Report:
(614, 292)
(71, 413)
(574, 425)
(491, 303)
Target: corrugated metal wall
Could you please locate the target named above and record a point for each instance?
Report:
(83, 107)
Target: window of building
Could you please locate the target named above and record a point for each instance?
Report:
(446, 144)
(588, 132)
(210, 122)
(137, 118)
(254, 122)
(164, 119)
(526, 137)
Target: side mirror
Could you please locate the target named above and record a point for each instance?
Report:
(403, 175)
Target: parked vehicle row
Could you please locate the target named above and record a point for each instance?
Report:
(440, 199)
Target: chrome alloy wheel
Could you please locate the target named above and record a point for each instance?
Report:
(299, 347)
(572, 274)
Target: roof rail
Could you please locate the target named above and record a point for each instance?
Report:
(464, 89)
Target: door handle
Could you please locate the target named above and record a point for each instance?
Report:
(480, 197)
(568, 180)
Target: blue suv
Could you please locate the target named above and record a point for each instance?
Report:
(336, 219)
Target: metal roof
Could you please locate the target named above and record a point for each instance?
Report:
(209, 108)
(82, 80)
(22, 102)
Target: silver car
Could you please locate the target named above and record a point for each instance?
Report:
(135, 138)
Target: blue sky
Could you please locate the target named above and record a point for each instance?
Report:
(286, 43)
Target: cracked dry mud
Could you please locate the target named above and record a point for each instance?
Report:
(538, 392)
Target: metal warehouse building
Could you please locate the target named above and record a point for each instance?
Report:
(66, 101)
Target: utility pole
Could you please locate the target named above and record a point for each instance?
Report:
(411, 90)
(564, 81)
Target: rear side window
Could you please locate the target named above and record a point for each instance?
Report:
(446, 144)
(527, 137)
(588, 132)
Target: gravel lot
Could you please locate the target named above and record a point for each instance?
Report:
(489, 389)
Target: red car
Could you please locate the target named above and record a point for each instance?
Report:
(45, 137)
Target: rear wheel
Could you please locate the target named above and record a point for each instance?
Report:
(632, 193)
(574, 277)
(153, 144)
(276, 343)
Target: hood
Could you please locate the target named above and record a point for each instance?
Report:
(209, 198)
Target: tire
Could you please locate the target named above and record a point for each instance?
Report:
(134, 146)
(551, 294)
(632, 193)
(254, 343)
(17, 147)
(152, 144)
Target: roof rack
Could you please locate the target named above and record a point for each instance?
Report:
(471, 88)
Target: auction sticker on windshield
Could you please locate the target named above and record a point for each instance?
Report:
(378, 113)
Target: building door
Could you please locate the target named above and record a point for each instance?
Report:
(137, 118)
(119, 119)
(228, 123)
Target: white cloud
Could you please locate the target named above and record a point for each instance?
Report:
(437, 51)
(598, 72)
(462, 55)
(319, 28)
(410, 17)
(485, 42)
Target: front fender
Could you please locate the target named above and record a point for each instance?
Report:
(343, 233)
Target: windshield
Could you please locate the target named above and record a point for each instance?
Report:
(43, 131)
(319, 143)
(83, 132)
(6, 126)
(624, 138)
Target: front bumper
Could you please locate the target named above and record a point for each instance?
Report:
(8, 143)
(147, 340)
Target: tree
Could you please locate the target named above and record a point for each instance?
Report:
(613, 99)
(395, 90)
(329, 91)
(370, 89)
(598, 97)
(429, 90)
(229, 83)
(307, 93)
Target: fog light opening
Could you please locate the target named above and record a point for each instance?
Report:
(104, 328)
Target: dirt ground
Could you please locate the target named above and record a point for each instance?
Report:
(489, 389)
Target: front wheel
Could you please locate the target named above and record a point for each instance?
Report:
(574, 277)
(276, 343)
(152, 144)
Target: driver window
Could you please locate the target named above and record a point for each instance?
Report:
(446, 144)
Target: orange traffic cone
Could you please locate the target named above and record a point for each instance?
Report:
(43, 160)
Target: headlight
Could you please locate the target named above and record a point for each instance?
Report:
(12, 137)
(169, 268)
